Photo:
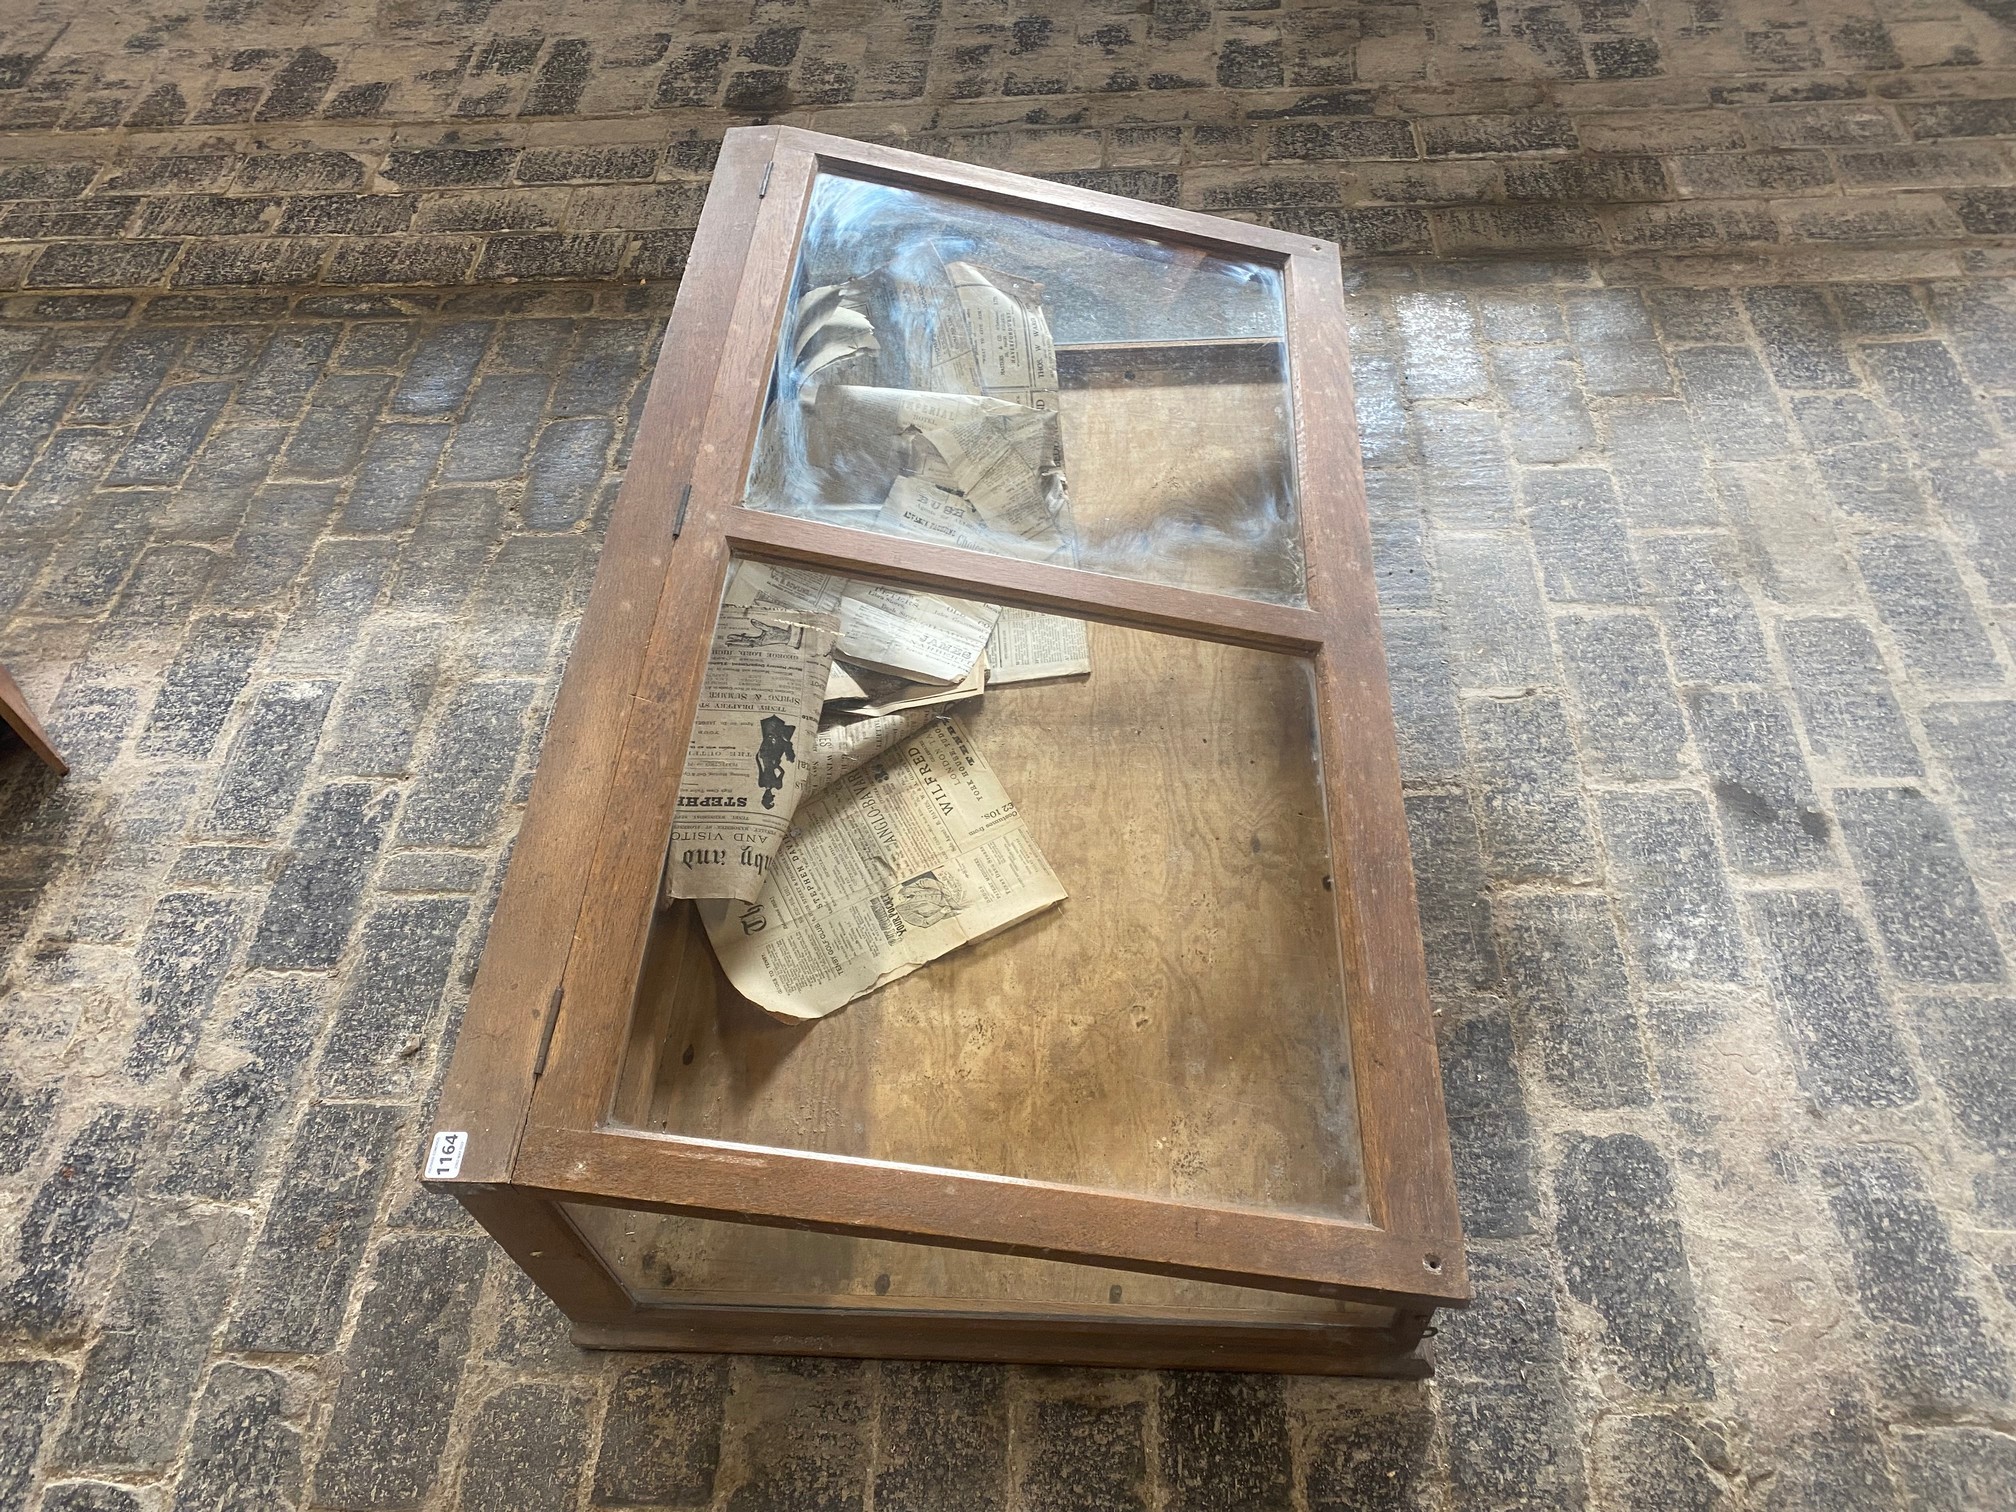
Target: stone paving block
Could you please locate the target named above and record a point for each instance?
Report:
(385, 700)
(1679, 918)
(1546, 418)
(1498, 628)
(26, 1114)
(273, 544)
(142, 1372)
(1490, 1131)
(943, 1432)
(285, 372)
(522, 597)
(661, 1440)
(1663, 1463)
(1923, 602)
(268, 761)
(217, 491)
(1225, 1442)
(1933, 1344)
(1731, 401)
(1802, 341)
(1529, 799)
(1374, 1460)
(1934, 402)
(1087, 1455)
(168, 439)
(330, 437)
(1565, 969)
(189, 945)
(89, 1496)
(1450, 888)
(1949, 1469)
(1851, 716)
(1657, 460)
(437, 377)
(1926, 906)
(1510, 1429)
(1623, 1255)
(392, 999)
(390, 1421)
(315, 893)
(398, 461)
(1822, 972)
(1615, 343)
(1580, 538)
(302, 1264)
(229, 1118)
(1711, 624)
(460, 782)
(1771, 821)
(242, 1450)
(1424, 699)
(802, 1426)
(1630, 726)
(526, 1450)
(1977, 744)
(458, 530)
(342, 582)
(82, 1203)
(131, 372)
(33, 1396)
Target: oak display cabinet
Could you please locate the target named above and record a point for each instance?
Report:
(1187, 1116)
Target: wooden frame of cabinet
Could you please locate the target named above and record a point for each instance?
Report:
(540, 1053)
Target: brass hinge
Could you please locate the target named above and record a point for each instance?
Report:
(679, 514)
(546, 1034)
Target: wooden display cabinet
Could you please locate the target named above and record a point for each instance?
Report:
(1190, 1116)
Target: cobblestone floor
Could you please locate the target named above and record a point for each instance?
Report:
(1697, 543)
(1696, 608)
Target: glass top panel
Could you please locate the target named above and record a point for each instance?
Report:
(663, 1259)
(1036, 388)
(1005, 892)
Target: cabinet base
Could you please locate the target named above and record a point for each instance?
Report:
(1138, 1343)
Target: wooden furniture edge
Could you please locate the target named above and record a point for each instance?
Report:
(1035, 585)
(1034, 1339)
(1403, 1131)
(975, 1210)
(22, 721)
(1043, 196)
(491, 1077)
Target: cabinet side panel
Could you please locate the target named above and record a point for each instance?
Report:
(490, 1080)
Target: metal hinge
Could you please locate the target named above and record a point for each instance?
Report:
(546, 1034)
(679, 514)
(764, 187)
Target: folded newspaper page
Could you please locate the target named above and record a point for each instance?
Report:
(908, 634)
(908, 857)
(844, 684)
(1007, 352)
(830, 325)
(841, 747)
(745, 760)
(893, 695)
(1028, 646)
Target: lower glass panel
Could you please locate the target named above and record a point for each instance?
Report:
(665, 1260)
(1173, 1027)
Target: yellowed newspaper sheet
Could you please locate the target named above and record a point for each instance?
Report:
(745, 760)
(908, 857)
(1028, 646)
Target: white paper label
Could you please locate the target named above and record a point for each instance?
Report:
(444, 1157)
